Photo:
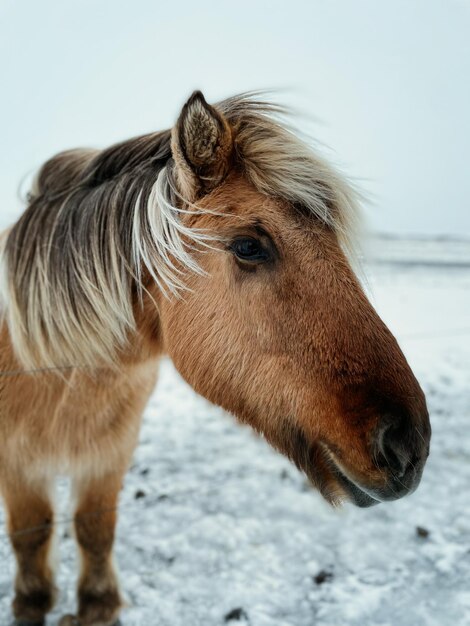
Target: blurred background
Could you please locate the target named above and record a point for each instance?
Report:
(387, 85)
(215, 527)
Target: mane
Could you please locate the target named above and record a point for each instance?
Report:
(96, 220)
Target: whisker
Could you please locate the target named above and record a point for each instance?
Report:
(420, 434)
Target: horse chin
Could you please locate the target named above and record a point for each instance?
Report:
(353, 493)
(326, 472)
(336, 487)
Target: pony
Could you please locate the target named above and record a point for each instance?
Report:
(225, 243)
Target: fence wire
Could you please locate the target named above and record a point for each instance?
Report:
(5, 537)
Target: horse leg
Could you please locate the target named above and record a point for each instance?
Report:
(30, 518)
(99, 599)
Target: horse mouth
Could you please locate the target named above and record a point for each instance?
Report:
(328, 476)
(354, 493)
(363, 496)
(345, 489)
(338, 484)
(326, 473)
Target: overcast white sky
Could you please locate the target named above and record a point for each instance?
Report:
(388, 82)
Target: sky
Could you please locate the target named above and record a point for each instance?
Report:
(383, 87)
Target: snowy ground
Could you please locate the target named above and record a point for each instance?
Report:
(216, 528)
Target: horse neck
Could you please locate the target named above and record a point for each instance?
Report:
(146, 340)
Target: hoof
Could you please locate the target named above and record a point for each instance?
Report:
(26, 622)
(67, 620)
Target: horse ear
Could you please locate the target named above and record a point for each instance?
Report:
(201, 144)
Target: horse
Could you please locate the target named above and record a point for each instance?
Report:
(227, 244)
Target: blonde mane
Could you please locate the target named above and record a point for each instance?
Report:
(96, 220)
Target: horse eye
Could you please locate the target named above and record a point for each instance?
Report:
(249, 249)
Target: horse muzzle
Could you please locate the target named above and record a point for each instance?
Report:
(399, 454)
(393, 488)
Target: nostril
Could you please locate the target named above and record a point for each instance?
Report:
(391, 450)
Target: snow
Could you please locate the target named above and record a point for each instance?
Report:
(226, 531)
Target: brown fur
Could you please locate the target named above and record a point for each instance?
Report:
(291, 347)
